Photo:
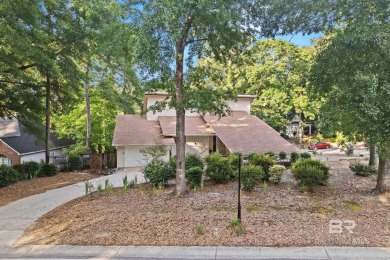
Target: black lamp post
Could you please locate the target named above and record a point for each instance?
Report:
(239, 189)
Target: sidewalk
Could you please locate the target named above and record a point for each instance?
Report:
(131, 252)
(17, 216)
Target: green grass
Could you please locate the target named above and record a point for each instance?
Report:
(322, 209)
(352, 205)
(223, 208)
(252, 208)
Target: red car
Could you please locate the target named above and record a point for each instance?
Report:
(322, 145)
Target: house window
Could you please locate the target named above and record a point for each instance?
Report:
(4, 160)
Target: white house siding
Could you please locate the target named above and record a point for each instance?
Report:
(242, 104)
(198, 144)
(166, 112)
(129, 156)
(39, 156)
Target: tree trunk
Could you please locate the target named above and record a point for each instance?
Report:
(87, 109)
(372, 161)
(383, 169)
(47, 132)
(181, 188)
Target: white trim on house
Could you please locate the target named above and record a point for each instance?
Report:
(40, 151)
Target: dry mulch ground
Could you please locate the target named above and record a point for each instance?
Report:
(281, 216)
(31, 187)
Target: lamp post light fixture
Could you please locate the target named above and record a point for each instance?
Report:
(239, 189)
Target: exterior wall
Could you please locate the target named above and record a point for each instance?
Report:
(198, 144)
(221, 148)
(166, 112)
(40, 156)
(242, 104)
(129, 156)
(9, 153)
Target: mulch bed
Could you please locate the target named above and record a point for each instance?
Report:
(31, 187)
(281, 216)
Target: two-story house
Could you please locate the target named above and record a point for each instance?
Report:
(238, 132)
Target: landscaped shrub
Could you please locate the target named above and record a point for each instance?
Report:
(27, 170)
(218, 168)
(310, 173)
(20, 169)
(271, 154)
(282, 155)
(47, 170)
(233, 161)
(276, 173)
(157, 172)
(7, 175)
(193, 160)
(194, 176)
(172, 164)
(74, 163)
(362, 169)
(264, 161)
(305, 155)
(294, 156)
(251, 175)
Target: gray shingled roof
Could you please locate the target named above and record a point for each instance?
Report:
(23, 142)
(9, 127)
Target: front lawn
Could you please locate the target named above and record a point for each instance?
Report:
(275, 215)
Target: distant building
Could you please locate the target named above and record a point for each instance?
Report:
(18, 146)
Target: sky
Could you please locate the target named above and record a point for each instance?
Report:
(299, 39)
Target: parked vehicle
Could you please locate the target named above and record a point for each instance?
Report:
(322, 145)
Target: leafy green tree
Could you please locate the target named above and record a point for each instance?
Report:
(352, 70)
(171, 34)
(276, 72)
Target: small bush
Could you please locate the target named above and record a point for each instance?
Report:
(294, 156)
(310, 173)
(8, 175)
(362, 169)
(193, 160)
(270, 154)
(157, 172)
(172, 164)
(276, 173)
(251, 175)
(27, 170)
(218, 168)
(20, 169)
(74, 163)
(264, 161)
(47, 170)
(305, 155)
(194, 177)
(233, 161)
(282, 155)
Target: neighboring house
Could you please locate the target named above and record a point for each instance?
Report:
(293, 128)
(238, 132)
(18, 146)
